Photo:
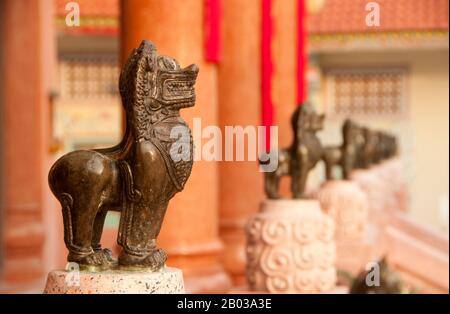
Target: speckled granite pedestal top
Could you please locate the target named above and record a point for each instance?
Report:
(168, 280)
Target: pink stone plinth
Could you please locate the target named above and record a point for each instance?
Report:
(385, 185)
(347, 203)
(374, 187)
(377, 194)
(392, 172)
(290, 248)
(167, 281)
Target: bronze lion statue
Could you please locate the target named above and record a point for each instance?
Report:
(138, 176)
(299, 158)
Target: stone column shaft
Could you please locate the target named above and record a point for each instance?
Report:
(241, 186)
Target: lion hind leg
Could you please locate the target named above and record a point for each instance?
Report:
(67, 211)
(79, 218)
(99, 222)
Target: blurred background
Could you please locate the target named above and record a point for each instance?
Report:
(58, 93)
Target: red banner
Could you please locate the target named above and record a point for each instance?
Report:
(266, 69)
(212, 30)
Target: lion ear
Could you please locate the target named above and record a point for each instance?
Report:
(150, 64)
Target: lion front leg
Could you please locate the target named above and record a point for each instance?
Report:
(299, 173)
(271, 184)
(138, 237)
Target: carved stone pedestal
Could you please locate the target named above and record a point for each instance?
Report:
(375, 189)
(167, 281)
(290, 248)
(392, 173)
(377, 194)
(347, 203)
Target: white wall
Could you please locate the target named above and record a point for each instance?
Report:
(423, 132)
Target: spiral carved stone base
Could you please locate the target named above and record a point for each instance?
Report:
(290, 248)
(347, 203)
(392, 173)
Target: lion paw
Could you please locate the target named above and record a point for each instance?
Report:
(155, 260)
(97, 260)
(107, 253)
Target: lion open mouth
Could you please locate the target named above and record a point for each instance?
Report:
(178, 89)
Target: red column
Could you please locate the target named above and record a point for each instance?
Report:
(190, 230)
(285, 71)
(24, 138)
(239, 87)
(302, 57)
